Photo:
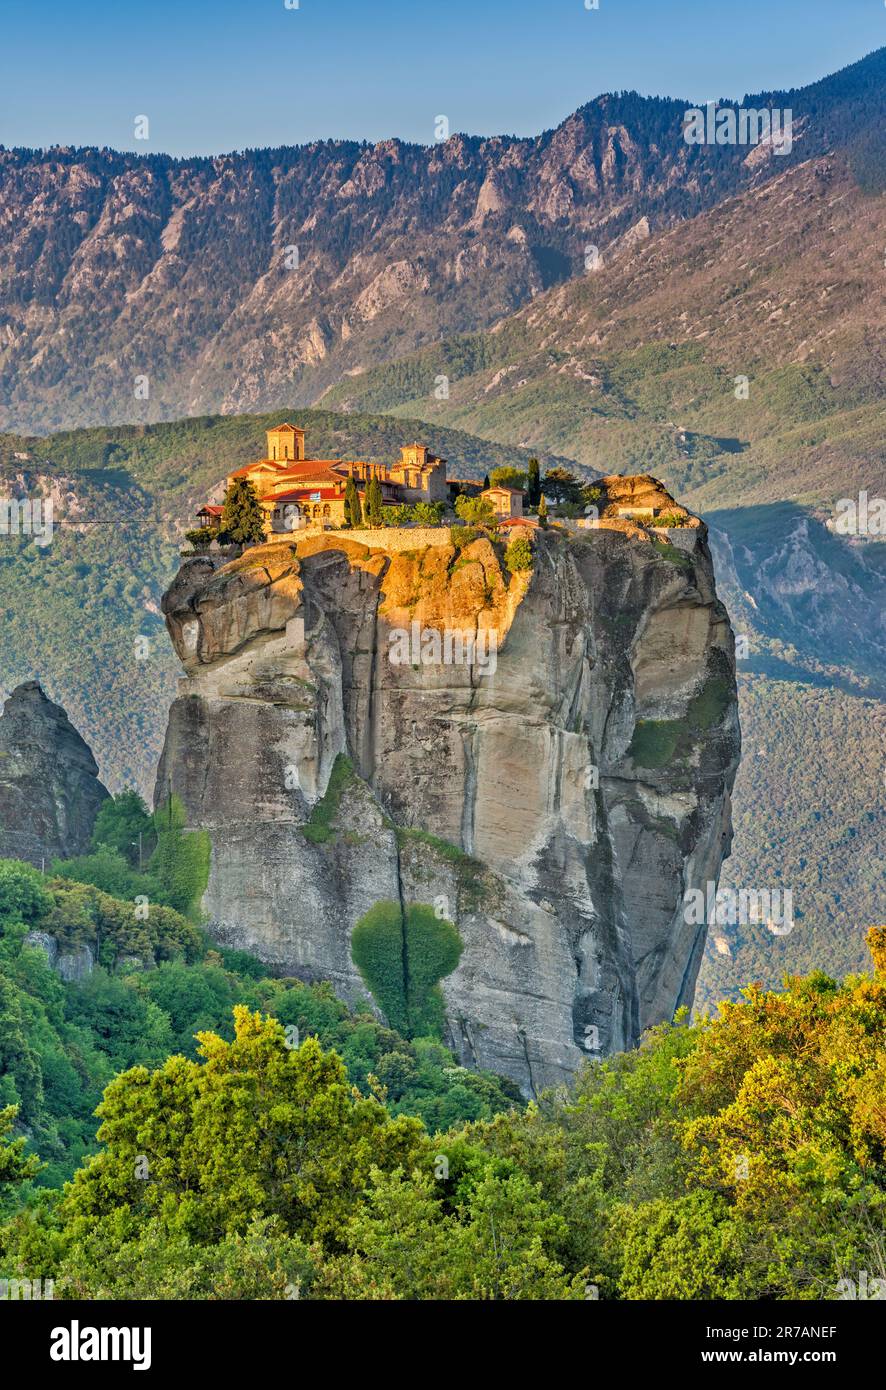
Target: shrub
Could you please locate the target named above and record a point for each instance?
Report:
(23, 895)
(107, 869)
(474, 510)
(318, 828)
(464, 535)
(180, 862)
(427, 513)
(654, 741)
(518, 555)
(201, 537)
(401, 958)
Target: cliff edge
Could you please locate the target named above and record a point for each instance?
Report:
(554, 794)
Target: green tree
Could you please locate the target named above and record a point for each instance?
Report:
(402, 957)
(533, 484)
(507, 476)
(475, 511)
(107, 869)
(243, 517)
(201, 537)
(21, 1077)
(495, 1244)
(15, 1166)
(563, 486)
(255, 1129)
(374, 509)
(124, 823)
(23, 895)
(427, 513)
(518, 555)
(353, 510)
(542, 511)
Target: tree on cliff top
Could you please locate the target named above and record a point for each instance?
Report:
(475, 511)
(533, 484)
(243, 518)
(353, 510)
(374, 514)
(563, 486)
(507, 476)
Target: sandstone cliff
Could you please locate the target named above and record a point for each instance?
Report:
(554, 808)
(49, 787)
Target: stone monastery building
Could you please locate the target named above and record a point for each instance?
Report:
(297, 492)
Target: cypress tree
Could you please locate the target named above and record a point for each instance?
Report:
(533, 484)
(353, 511)
(374, 514)
(243, 516)
(542, 512)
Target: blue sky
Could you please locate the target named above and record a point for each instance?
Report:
(216, 75)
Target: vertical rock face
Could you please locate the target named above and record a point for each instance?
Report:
(556, 805)
(49, 787)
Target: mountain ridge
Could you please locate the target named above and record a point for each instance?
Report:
(147, 287)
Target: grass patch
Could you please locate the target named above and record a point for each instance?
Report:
(402, 957)
(470, 870)
(671, 553)
(319, 826)
(656, 743)
(708, 707)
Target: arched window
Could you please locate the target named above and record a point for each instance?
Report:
(326, 511)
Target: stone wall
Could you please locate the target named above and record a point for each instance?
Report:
(397, 538)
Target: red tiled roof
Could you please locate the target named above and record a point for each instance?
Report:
(518, 521)
(307, 494)
(288, 468)
(248, 467)
(211, 509)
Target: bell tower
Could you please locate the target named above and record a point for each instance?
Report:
(286, 443)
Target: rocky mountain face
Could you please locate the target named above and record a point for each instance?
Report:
(138, 287)
(49, 788)
(740, 356)
(527, 798)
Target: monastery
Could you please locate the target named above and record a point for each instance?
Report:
(296, 491)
